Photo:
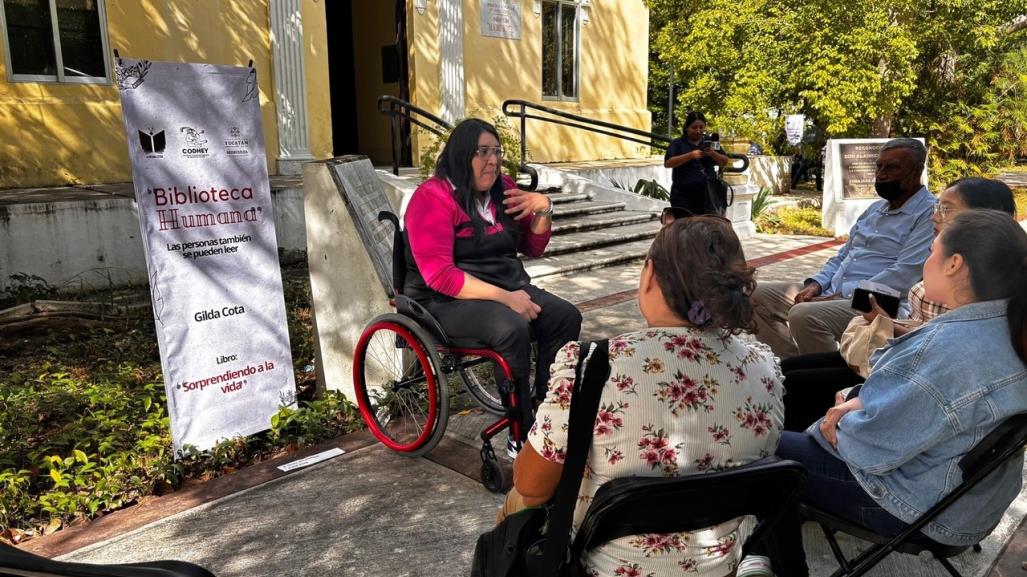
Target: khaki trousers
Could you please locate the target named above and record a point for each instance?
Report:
(798, 329)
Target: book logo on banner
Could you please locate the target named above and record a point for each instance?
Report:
(153, 143)
(194, 142)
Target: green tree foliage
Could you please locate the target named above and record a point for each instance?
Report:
(856, 67)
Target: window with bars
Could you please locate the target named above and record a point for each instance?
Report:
(54, 40)
(560, 50)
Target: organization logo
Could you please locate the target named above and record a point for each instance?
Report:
(195, 143)
(153, 143)
(235, 143)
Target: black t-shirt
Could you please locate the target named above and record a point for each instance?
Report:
(690, 174)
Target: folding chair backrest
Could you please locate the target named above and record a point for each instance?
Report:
(637, 505)
(1001, 444)
(14, 561)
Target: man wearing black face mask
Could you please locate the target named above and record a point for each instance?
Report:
(888, 244)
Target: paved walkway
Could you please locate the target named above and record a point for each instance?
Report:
(371, 512)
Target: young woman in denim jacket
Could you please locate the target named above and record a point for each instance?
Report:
(884, 457)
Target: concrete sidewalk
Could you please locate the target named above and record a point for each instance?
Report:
(371, 512)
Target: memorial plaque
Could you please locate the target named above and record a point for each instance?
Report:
(501, 18)
(858, 164)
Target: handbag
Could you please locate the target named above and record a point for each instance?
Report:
(717, 195)
(862, 338)
(535, 542)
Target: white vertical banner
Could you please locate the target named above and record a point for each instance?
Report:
(795, 125)
(196, 143)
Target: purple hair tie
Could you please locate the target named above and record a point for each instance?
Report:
(697, 314)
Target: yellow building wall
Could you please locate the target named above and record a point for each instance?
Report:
(613, 73)
(52, 134)
(423, 55)
(374, 26)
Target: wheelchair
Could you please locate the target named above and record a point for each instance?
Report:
(402, 366)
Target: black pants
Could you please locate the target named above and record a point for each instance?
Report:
(499, 328)
(811, 382)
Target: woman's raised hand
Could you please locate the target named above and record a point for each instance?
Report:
(522, 203)
(521, 303)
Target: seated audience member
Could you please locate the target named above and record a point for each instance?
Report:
(464, 227)
(813, 380)
(685, 395)
(887, 245)
(884, 457)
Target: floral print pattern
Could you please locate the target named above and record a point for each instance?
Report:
(679, 401)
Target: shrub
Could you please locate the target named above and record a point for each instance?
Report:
(793, 220)
(25, 288)
(84, 427)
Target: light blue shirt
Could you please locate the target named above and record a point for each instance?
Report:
(932, 395)
(885, 246)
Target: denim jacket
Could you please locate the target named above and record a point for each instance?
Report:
(932, 395)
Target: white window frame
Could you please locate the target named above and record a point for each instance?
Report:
(60, 77)
(559, 50)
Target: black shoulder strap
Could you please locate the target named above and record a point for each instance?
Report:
(587, 391)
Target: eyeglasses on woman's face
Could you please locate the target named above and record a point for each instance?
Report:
(484, 152)
(943, 210)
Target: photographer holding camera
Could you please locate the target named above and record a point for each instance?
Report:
(693, 157)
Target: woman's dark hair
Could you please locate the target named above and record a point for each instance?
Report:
(454, 163)
(979, 192)
(699, 259)
(994, 247)
(692, 117)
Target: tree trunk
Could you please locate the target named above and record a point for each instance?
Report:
(882, 126)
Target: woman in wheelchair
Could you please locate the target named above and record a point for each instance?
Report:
(888, 454)
(464, 228)
(685, 395)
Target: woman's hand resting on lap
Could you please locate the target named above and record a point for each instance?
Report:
(521, 303)
(829, 425)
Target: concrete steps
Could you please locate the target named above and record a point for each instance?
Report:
(564, 225)
(601, 237)
(590, 259)
(586, 207)
(590, 234)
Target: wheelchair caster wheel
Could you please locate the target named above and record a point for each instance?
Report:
(492, 476)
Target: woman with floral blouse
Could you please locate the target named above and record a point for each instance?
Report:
(684, 396)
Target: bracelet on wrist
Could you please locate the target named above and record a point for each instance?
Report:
(548, 211)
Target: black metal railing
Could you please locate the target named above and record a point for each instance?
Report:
(398, 110)
(522, 111)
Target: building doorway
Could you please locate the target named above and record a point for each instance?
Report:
(365, 62)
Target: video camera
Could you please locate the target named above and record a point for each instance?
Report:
(711, 141)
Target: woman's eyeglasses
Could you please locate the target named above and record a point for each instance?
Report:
(484, 152)
(942, 210)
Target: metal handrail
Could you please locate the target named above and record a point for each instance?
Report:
(584, 123)
(397, 108)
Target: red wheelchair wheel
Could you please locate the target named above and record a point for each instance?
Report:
(400, 387)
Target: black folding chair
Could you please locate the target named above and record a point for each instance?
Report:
(15, 562)
(637, 505)
(1004, 443)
